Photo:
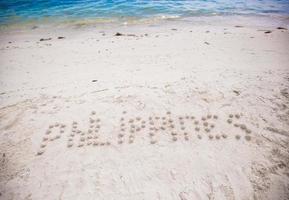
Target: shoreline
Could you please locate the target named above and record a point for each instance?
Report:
(247, 20)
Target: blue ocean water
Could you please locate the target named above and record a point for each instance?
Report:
(15, 11)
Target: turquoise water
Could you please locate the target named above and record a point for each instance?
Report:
(15, 11)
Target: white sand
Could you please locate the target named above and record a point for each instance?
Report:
(205, 67)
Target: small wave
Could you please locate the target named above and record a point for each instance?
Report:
(170, 16)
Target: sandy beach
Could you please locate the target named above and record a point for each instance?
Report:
(188, 110)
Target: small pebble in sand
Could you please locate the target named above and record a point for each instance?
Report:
(217, 137)
(124, 112)
(88, 142)
(143, 121)
(97, 120)
(164, 123)
(170, 121)
(132, 126)
(40, 152)
(72, 134)
(122, 129)
(173, 133)
(224, 135)
(209, 116)
(172, 126)
(151, 134)
(174, 139)
(215, 116)
(200, 137)
(95, 143)
(93, 113)
(204, 118)
(197, 129)
(44, 138)
(150, 118)
(168, 113)
(121, 119)
(123, 124)
(56, 124)
(185, 133)
(48, 132)
(98, 126)
(143, 126)
(131, 121)
(138, 118)
(196, 122)
(187, 117)
(62, 126)
(211, 137)
(229, 121)
(89, 137)
(153, 141)
(163, 128)
(237, 137)
(91, 121)
(243, 126)
(248, 137)
(192, 117)
(180, 118)
(236, 125)
(82, 139)
(131, 131)
(212, 125)
(137, 129)
(108, 143)
(131, 136)
(183, 128)
(207, 130)
(164, 118)
(182, 122)
(43, 144)
(70, 139)
(81, 144)
(69, 144)
(74, 122)
(151, 123)
(205, 123)
(231, 115)
(237, 116)
(186, 138)
(95, 136)
(120, 142)
(248, 131)
(51, 126)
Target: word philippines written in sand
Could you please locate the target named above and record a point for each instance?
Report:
(154, 128)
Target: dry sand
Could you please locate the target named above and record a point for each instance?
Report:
(180, 110)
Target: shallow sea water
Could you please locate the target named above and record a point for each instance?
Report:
(93, 11)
